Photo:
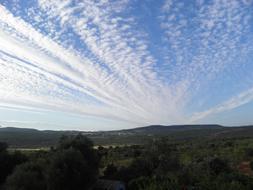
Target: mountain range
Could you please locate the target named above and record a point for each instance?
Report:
(33, 138)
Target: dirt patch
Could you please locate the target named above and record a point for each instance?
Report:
(244, 168)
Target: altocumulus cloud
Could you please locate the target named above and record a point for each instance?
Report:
(98, 58)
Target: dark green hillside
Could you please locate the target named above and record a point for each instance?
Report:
(162, 129)
(32, 138)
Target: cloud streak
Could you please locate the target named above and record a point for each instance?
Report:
(234, 102)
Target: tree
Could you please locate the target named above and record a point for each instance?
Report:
(251, 165)
(8, 161)
(69, 170)
(154, 183)
(218, 166)
(3, 147)
(82, 144)
(110, 171)
(28, 176)
(73, 164)
(249, 152)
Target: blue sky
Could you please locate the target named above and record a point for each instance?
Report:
(104, 64)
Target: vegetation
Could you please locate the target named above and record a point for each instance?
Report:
(34, 139)
(160, 164)
(72, 164)
(163, 164)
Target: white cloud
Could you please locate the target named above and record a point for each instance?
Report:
(42, 68)
(232, 103)
(112, 73)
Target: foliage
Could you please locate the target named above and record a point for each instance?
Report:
(110, 171)
(69, 170)
(28, 176)
(8, 161)
(73, 164)
(165, 164)
(160, 164)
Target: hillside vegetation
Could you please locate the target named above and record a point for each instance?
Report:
(32, 138)
(159, 164)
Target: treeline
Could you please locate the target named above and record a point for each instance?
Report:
(72, 164)
(165, 165)
(161, 164)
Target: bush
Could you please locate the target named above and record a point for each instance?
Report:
(72, 165)
(110, 171)
(218, 166)
(8, 161)
(28, 176)
(69, 170)
(154, 183)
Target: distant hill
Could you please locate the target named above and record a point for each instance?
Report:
(162, 129)
(193, 131)
(24, 137)
(32, 138)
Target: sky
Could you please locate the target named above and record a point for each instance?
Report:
(114, 64)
